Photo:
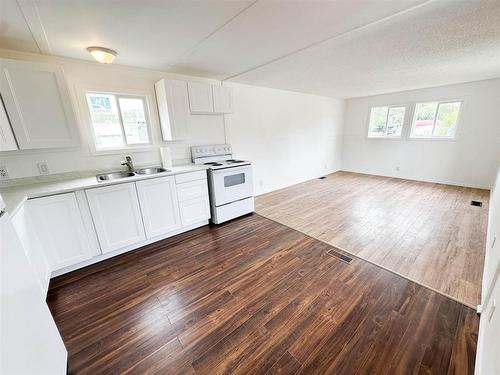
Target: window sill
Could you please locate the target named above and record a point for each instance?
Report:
(443, 139)
(384, 138)
(121, 151)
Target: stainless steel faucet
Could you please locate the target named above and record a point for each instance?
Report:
(128, 163)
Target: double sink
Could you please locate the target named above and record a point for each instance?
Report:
(126, 174)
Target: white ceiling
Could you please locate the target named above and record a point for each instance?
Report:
(339, 48)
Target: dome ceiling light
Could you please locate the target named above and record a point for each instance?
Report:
(102, 55)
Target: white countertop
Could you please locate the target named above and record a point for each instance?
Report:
(15, 196)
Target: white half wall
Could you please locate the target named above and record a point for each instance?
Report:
(469, 160)
(488, 361)
(289, 137)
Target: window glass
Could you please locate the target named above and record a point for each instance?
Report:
(395, 121)
(386, 122)
(117, 121)
(378, 119)
(134, 120)
(105, 120)
(446, 120)
(435, 120)
(424, 120)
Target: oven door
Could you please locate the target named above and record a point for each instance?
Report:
(232, 184)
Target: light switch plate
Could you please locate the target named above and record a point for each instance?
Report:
(4, 173)
(43, 167)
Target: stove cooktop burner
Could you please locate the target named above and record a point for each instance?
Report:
(214, 163)
(235, 161)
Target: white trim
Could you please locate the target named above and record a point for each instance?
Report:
(86, 120)
(431, 180)
(31, 14)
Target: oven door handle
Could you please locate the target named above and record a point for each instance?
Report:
(232, 170)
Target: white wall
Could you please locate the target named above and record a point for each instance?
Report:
(492, 255)
(488, 361)
(470, 160)
(289, 137)
(203, 129)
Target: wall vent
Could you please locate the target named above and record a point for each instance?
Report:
(476, 203)
(321, 178)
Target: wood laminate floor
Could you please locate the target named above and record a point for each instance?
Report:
(255, 297)
(427, 232)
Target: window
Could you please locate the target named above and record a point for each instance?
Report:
(435, 120)
(386, 122)
(118, 121)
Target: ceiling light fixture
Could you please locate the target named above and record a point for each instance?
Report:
(102, 55)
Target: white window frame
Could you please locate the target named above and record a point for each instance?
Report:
(86, 118)
(433, 137)
(385, 136)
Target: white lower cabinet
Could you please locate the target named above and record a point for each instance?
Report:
(159, 205)
(83, 226)
(59, 227)
(193, 201)
(194, 210)
(117, 216)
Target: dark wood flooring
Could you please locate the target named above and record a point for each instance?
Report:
(255, 297)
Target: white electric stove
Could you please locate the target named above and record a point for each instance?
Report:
(230, 181)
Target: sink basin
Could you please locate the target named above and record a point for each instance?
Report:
(153, 170)
(114, 176)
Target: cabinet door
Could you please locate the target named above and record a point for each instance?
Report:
(173, 107)
(7, 140)
(117, 216)
(59, 227)
(193, 201)
(195, 210)
(38, 104)
(32, 246)
(200, 97)
(159, 205)
(223, 99)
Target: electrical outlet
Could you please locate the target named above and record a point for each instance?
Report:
(43, 167)
(4, 173)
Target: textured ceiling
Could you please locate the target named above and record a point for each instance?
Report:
(437, 44)
(338, 48)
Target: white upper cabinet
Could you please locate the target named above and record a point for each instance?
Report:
(117, 216)
(59, 227)
(38, 104)
(223, 99)
(200, 97)
(7, 140)
(159, 205)
(173, 107)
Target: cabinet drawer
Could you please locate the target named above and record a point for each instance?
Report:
(192, 189)
(191, 176)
